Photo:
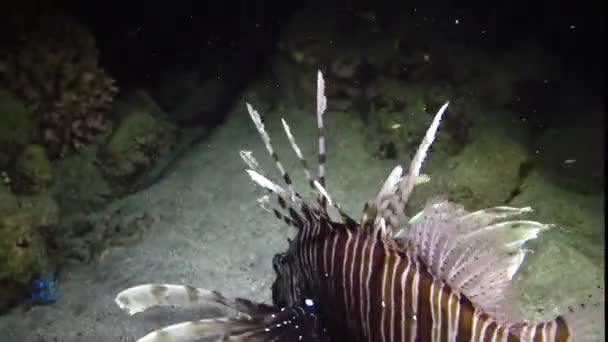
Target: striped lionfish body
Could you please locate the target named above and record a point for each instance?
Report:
(445, 275)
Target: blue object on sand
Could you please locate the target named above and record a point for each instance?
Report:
(43, 290)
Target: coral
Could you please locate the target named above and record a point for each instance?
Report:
(55, 70)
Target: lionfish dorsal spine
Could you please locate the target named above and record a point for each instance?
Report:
(321, 108)
(390, 201)
(291, 200)
(392, 214)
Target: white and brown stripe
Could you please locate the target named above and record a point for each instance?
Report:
(367, 288)
(370, 290)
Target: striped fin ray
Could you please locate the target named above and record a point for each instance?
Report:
(321, 108)
(394, 193)
(375, 205)
(323, 198)
(379, 205)
(287, 211)
(298, 152)
(290, 199)
(257, 174)
(254, 321)
(147, 296)
(394, 210)
(257, 120)
(475, 253)
(282, 326)
(222, 329)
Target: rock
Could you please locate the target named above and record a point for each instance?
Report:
(80, 185)
(487, 171)
(291, 87)
(9, 202)
(556, 276)
(402, 113)
(174, 86)
(33, 170)
(23, 255)
(204, 102)
(571, 154)
(346, 67)
(43, 209)
(11, 293)
(22, 251)
(85, 237)
(579, 217)
(496, 84)
(16, 127)
(305, 40)
(140, 138)
(136, 100)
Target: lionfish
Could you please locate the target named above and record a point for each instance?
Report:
(446, 275)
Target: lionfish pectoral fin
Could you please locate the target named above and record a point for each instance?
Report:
(144, 297)
(293, 324)
(222, 329)
(219, 328)
(251, 323)
(475, 253)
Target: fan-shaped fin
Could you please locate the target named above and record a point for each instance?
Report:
(475, 253)
(146, 296)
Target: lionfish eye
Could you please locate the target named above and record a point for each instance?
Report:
(278, 261)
